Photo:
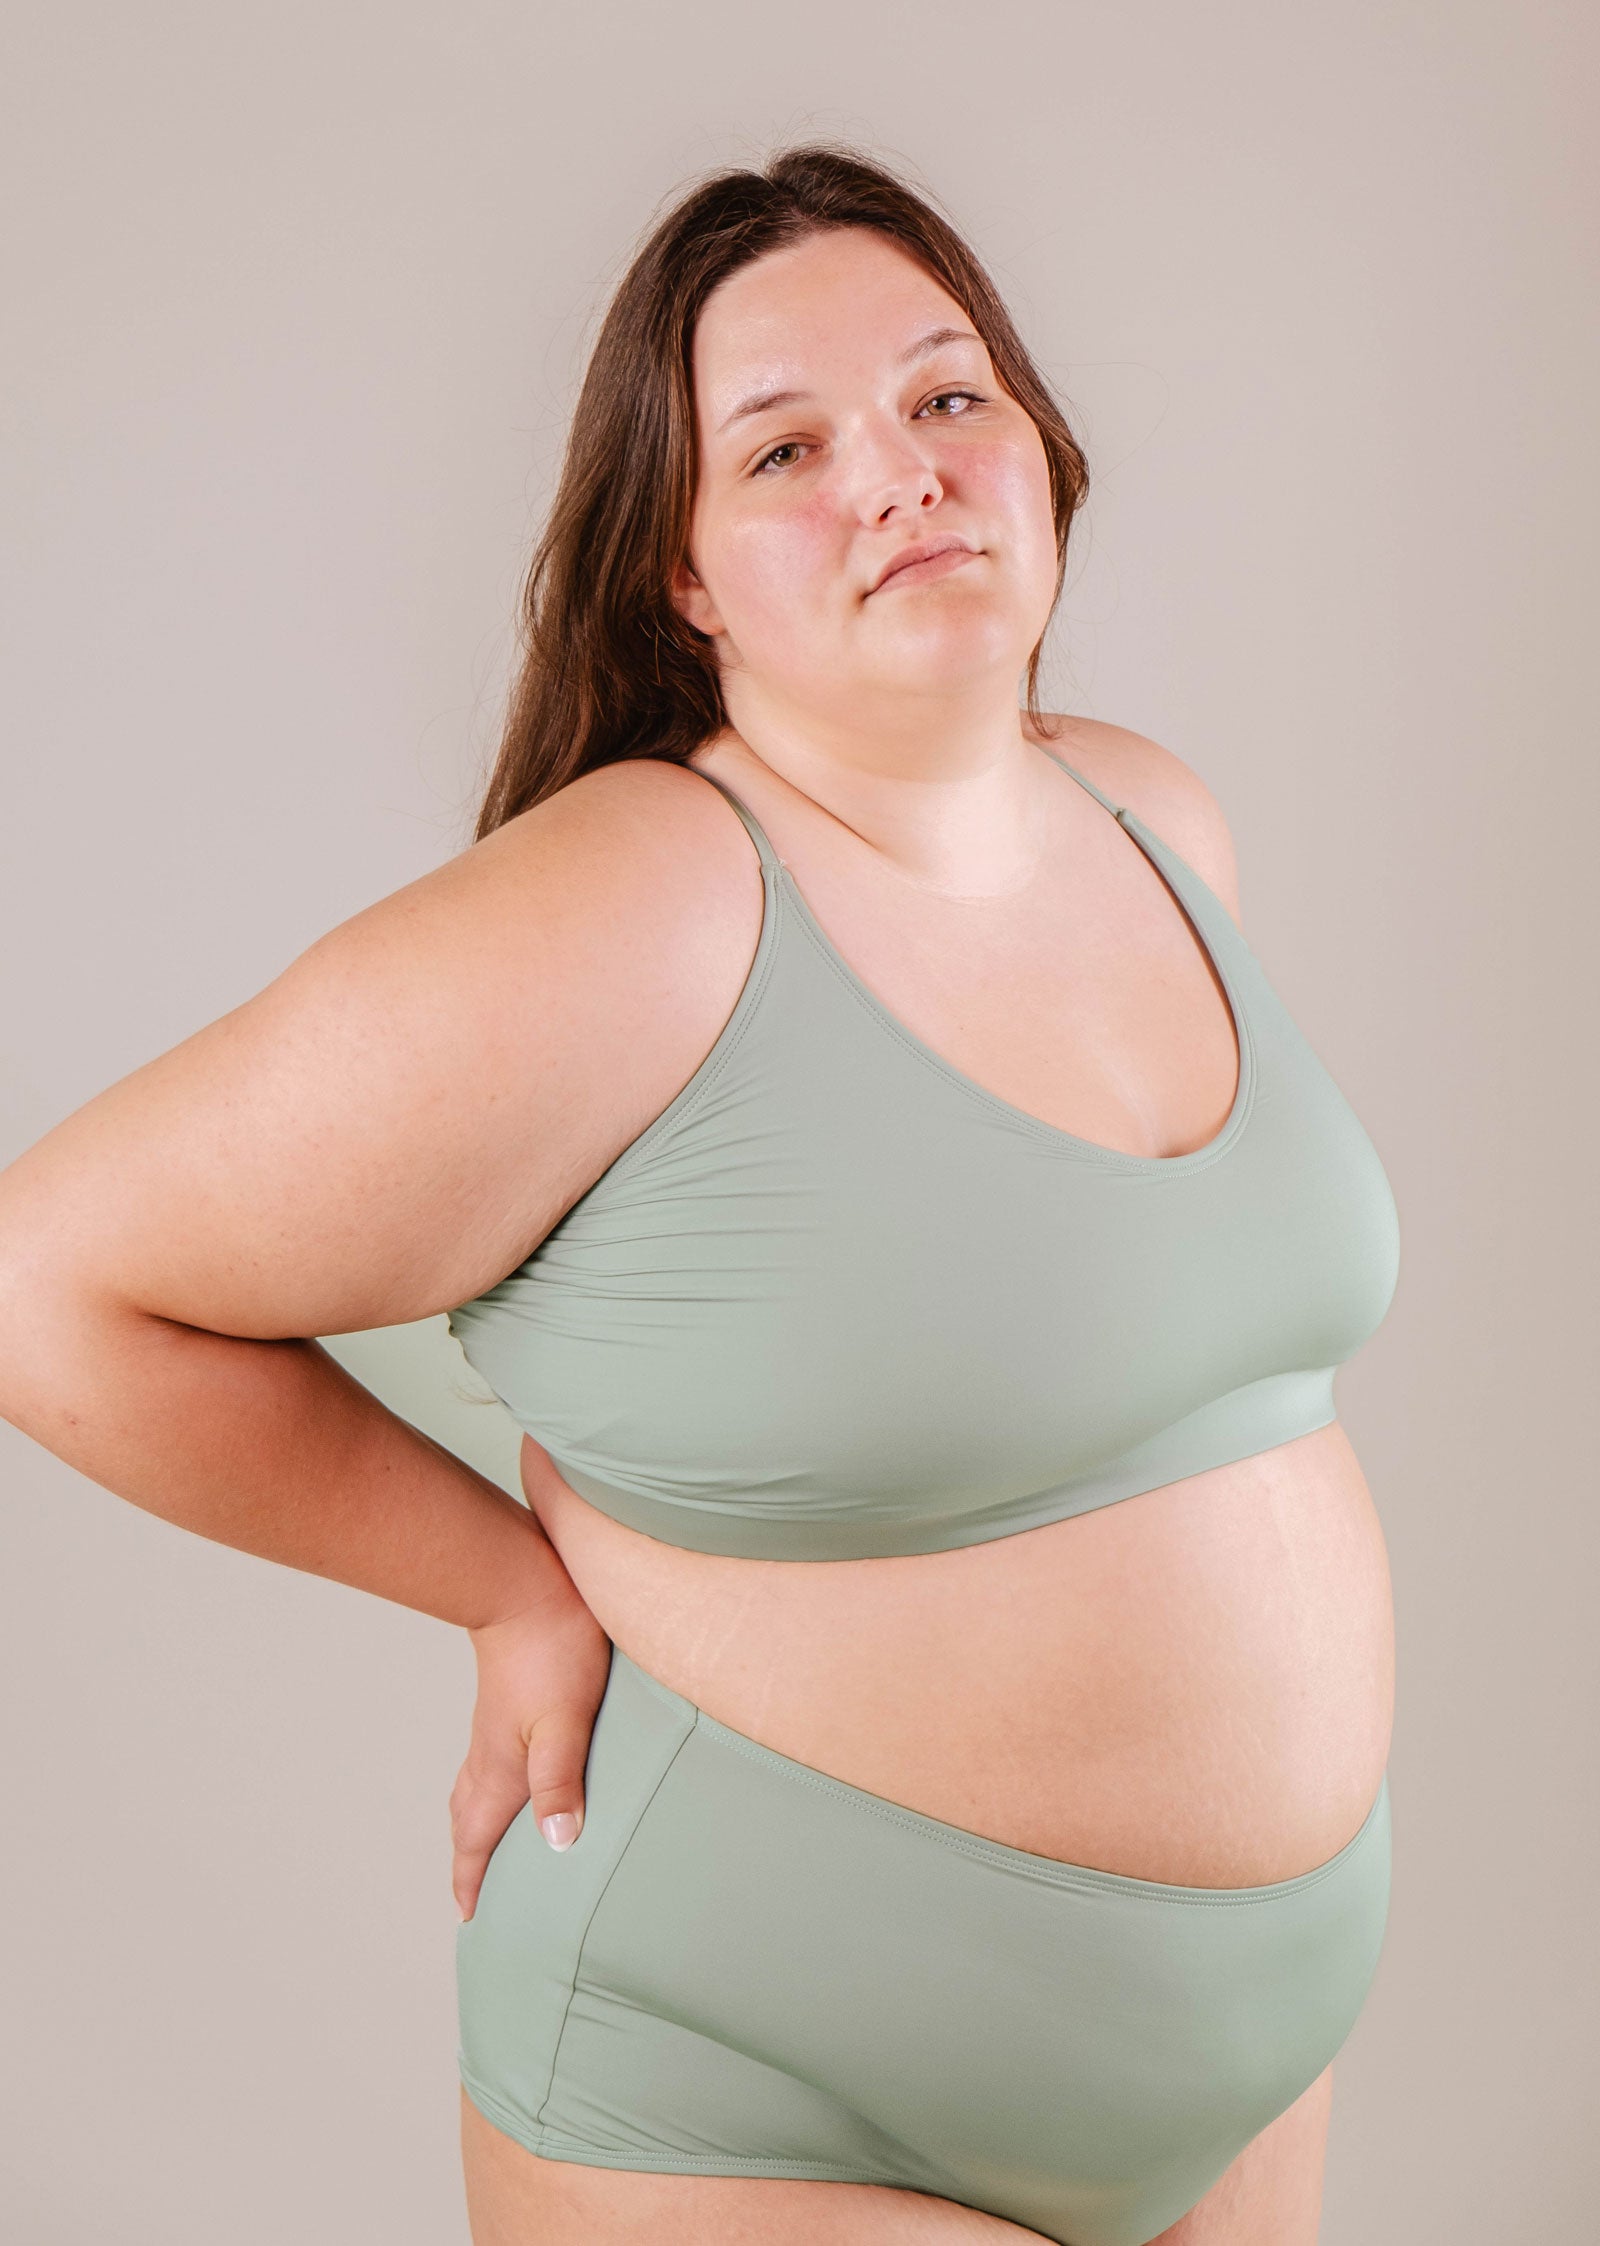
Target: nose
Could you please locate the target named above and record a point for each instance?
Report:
(889, 469)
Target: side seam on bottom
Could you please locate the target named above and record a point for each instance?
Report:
(622, 1848)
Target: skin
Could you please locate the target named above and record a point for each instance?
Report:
(350, 1148)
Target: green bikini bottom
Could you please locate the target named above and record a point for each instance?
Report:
(745, 1967)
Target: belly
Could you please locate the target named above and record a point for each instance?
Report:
(1193, 1685)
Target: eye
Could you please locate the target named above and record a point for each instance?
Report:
(789, 445)
(938, 394)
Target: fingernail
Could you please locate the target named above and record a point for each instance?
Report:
(560, 1829)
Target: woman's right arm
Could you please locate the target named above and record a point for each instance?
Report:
(384, 1131)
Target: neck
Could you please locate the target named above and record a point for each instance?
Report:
(951, 796)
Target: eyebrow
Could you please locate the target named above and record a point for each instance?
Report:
(763, 401)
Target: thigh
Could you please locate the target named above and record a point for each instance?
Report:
(1272, 2195)
(516, 2198)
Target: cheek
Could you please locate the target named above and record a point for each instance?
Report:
(1015, 480)
(780, 566)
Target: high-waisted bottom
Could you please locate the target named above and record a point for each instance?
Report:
(746, 1967)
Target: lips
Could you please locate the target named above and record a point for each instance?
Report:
(924, 550)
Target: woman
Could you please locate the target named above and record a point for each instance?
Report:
(949, 1650)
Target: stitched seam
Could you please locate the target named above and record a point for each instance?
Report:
(583, 1942)
(1020, 1860)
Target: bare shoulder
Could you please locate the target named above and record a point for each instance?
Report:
(395, 1121)
(1165, 794)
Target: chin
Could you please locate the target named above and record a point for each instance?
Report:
(952, 652)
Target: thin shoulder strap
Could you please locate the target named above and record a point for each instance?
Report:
(758, 833)
(1114, 808)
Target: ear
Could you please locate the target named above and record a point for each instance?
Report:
(693, 603)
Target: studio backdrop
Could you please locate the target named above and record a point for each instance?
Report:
(295, 305)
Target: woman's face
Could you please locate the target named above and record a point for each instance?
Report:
(892, 430)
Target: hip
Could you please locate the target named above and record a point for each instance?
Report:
(743, 1966)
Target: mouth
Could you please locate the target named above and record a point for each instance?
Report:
(931, 557)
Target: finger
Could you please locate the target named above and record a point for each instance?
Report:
(558, 1749)
(478, 1824)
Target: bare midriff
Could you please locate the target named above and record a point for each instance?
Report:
(1193, 1685)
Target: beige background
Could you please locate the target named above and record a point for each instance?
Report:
(296, 301)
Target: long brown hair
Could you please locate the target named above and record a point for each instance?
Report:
(609, 668)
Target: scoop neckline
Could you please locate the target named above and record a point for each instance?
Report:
(1050, 1134)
